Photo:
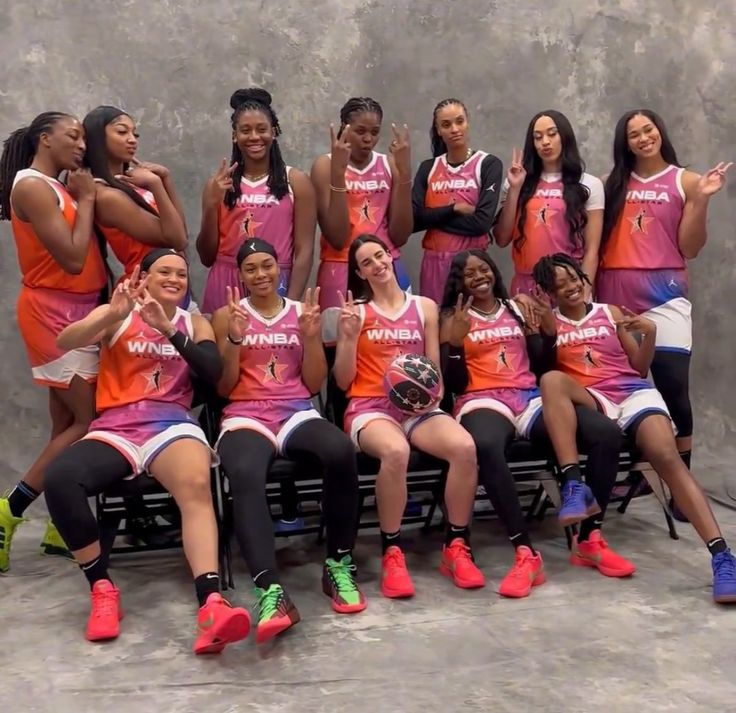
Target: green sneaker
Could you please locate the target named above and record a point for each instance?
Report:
(8, 523)
(52, 544)
(276, 612)
(338, 583)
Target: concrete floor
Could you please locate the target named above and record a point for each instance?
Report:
(580, 643)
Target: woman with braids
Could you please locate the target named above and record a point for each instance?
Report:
(603, 353)
(274, 362)
(361, 191)
(655, 221)
(150, 350)
(455, 195)
(490, 355)
(63, 275)
(255, 194)
(549, 203)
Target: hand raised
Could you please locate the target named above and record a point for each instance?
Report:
(712, 181)
(219, 184)
(516, 173)
(460, 324)
(238, 319)
(348, 324)
(310, 319)
(81, 184)
(340, 147)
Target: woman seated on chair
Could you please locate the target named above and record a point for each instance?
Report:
(378, 321)
(144, 393)
(602, 366)
(274, 362)
(490, 355)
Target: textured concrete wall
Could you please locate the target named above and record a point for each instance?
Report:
(174, 63)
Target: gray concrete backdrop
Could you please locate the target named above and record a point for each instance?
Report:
(173, 64)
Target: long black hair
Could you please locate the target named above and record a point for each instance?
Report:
(438, 145)
(19, 150)
(624, 162)
(455, 285)
(256, 99)
(96, 157)
(358, 105)
(544, 270)
(574, 193)
(361, 289)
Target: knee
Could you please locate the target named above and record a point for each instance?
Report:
(489, 450)
(395, 457)
(59, 475)
(338, 454)
(196, 489)
(463, 452)
(552, 382)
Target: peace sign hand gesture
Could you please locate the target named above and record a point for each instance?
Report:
(126, 295)
(712, 181)
(348, 324)
(633, 322)
(152, 313)
(238, 320)
(310, 319)
(219, 184)
(340, 148)
(516, 173)
(399, 152)
(460, 324)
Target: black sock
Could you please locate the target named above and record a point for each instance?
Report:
(20, 498)
(571, 471)
(337, 553)
(716, 546)
(390, 539)
(95, 570)
(265, 578)
(455, 531)
(594, 522)
(206, 584)
(686, 456)
(522, 540)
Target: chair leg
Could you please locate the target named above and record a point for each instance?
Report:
(671, 524)
(536, 500)
(633, 488)
(109, 524)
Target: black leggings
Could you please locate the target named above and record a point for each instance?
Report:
(671, 376)
(83, 470)
(246, 457)
(598, 437)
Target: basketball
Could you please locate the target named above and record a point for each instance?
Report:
(412, 383)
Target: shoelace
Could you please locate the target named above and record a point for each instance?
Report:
(725, 565)
(343, 576)
(104, 604)
(572, 488)
(269, 601)
(462, 549)
(395, 560)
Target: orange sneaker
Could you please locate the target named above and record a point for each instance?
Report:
(104, 619)
(219, 624)
(457, 563)
(395, 580)
(595, 552)
(527, 572)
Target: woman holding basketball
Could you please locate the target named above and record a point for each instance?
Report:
(274, 363)
(378, 322)
(255, 194)
(550, 204)
(454, 197)
(655, 220)
(361, 191)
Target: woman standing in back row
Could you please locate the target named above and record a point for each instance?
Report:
(655, 221)
(454, 197)
(255, 195)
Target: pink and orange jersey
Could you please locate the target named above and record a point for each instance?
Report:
(37, 265)
(139, 364)
(382, 338)
(270, 359)
(446, 185)
(590, 351)
(369, 197)
(129, 251)
(258, 214)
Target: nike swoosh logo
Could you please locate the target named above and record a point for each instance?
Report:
(212, 576)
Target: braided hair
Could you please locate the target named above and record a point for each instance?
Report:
(544, 270)
(256, 99)
(19, 150)
(358, 105)
(439, 147)
(455, 285)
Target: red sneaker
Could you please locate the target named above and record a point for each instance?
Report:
(527, 572)
(219, 624)
(595, 552)
(395, 580)
(457, 563)
(104, 619)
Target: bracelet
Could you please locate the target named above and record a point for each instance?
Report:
(406, 183)
(236, 342)
(338, 190)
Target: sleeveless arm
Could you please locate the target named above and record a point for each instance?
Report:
(332, 206)
(208, 239)
(503, 229)
(692, 233)
(305, 223)
(100, 322)
(424, 217)
(400, 212)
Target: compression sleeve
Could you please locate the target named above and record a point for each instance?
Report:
(203, 357)
(542, 352)
(454, 368)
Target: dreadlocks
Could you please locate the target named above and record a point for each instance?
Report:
(544, 270)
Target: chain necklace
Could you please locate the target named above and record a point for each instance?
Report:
(483, 312)
(254, 178)
(270, 315)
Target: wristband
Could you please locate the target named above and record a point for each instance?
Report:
(236, 342)
(178, 339)
(455, 351)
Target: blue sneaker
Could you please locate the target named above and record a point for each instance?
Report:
(578, 502)
(289, 525)
(724, 577)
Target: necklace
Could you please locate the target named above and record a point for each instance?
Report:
(255, 178)
(483, 312)
(270, 315)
